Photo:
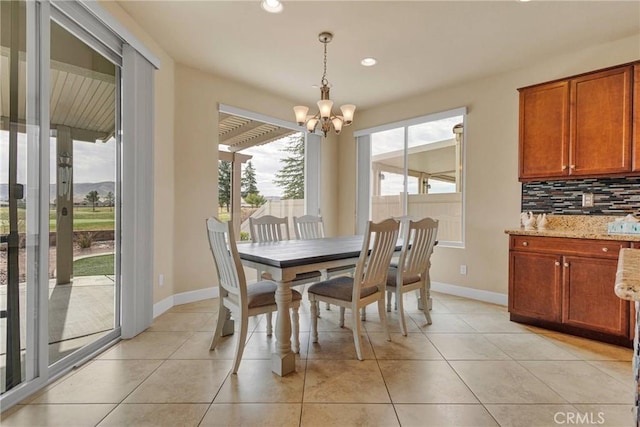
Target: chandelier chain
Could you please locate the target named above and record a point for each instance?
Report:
(324, 80)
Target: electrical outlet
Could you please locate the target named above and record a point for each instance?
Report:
(161, 280)
(463, 269)
(587, 200)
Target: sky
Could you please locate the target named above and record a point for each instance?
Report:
(266, 162)
(92, 162)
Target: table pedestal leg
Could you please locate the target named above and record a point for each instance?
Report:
(283, 361)
(228, 327)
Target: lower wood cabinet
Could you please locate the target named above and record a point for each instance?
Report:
(568, 285)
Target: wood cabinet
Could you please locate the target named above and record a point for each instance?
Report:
(568, 285)
(579, 127)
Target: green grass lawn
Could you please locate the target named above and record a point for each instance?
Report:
(84, 219)
(94, 266)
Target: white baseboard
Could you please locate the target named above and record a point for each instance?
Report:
(477, 294)
(445, 288)
(184, 298)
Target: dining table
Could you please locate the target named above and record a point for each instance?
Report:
(285, 260)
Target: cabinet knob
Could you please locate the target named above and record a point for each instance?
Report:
(566, 264)
(564, 167)
(605, 249)
(557, 263)
(525, 243)
(572, 166)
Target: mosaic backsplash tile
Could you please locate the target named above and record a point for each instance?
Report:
(612, 196)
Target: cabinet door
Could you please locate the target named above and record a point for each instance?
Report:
(589, 300)
(544, 130)
(535, 285)
(635, 143)
(601, 123)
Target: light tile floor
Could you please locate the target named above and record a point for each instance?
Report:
(471, 367)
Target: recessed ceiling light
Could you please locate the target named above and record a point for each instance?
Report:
(524, 1)
(369, 62)
(272, 6)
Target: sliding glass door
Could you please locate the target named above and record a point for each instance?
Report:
(60, 192)
(84, 192)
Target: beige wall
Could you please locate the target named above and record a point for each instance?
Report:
(164, 180)
(492, 187)
(198, 95)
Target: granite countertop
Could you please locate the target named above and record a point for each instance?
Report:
(576, 227)
(628, 275)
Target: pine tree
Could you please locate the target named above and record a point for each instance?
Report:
(291, 176)
(224, 184)
(248, 181)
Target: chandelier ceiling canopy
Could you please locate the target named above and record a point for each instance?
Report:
(325, 117)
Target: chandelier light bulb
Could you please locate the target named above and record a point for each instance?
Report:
(347, 113)
(301, 114)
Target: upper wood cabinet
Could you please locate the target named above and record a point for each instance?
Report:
(579, 127)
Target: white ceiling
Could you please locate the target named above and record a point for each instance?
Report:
(420, 45)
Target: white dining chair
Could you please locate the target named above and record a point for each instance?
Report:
(269, 228)
(236, 297)
(366, 287)
(412, 271)
(308, 227)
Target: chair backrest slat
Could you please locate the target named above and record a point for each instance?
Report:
(269, 228)
(418, 247)
(225, 255)
(377, 249)
(308, 227)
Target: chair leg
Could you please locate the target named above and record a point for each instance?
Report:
(241, 341)
(269, 324)
(363, 314)
(341, 324)
(383, 318)
(295, 329)
(222, 318)
(400, 301)
(314, 320)
(389, 295)
(356, 332)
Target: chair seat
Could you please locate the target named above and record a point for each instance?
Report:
(406, 280)
(340, 288)
(262, 294)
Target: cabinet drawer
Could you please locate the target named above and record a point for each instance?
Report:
(565, 246)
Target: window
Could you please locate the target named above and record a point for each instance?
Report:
(414, 168)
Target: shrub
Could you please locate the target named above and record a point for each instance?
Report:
(244, 235)
(85, 240)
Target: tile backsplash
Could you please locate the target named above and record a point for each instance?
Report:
(612, 196)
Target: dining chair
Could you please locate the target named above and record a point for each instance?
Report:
(269, 228)
(412, 271)
(367, 286)
(308, 227)
(238, 298)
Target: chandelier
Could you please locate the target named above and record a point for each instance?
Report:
(325, 116)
